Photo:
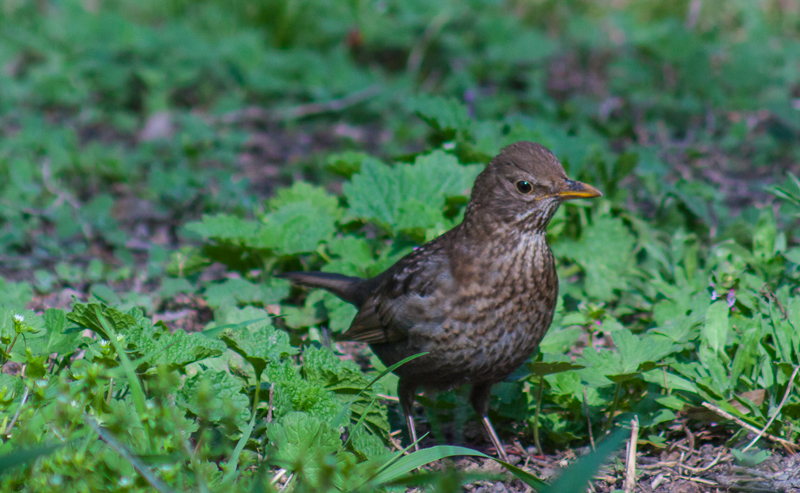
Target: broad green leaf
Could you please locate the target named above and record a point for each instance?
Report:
(345, 379)
(87, 316)
(225, 227)
(302, 443)
(443, 114)
(352, 256)
(765, 235)
(605, 251)
(241, 291)
(15, 294)
(557, 341)
(715, 330)
(541, 368)
(294, 393)
(340, 313)
(175, 350)
(297, 227)
(404, 196)
(259, 342)
(302, 192)
(216, 395)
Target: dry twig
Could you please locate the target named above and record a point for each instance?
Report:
(778, 410)
(786, 444)
(630, 466)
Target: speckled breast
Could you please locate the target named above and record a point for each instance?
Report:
(492, 324)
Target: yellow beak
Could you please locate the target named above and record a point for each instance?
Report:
(578, 190)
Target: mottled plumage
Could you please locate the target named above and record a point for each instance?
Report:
(479, 298)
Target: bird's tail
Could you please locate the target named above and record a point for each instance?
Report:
(345, 287)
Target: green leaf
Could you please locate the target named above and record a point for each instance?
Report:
(214, 396)
(405, 464)
(296, 227)
(294, 393)
(302, 192)
(765, 235)
(577, 477)
(541, 368)
(715, 330)
(24, 456)
(346, 380)
(345, 163)
(443, 114)
(89, 316)
(634, 355)
(175, 350)
(225, 227)
(302, 443)
(340, 313)
(407, 197)
(15, 294)
(352, 256)
(259, 342)
(605, 252)
(241, 291)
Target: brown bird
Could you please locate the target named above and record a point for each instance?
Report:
(479, 298)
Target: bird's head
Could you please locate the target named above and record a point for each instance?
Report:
(524, 185)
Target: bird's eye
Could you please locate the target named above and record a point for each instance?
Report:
(524, 187)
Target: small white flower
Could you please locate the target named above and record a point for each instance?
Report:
(120, 337)
(18, 318)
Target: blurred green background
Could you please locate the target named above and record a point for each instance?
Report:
(166, 158)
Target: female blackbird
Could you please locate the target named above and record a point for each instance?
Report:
(477, 299)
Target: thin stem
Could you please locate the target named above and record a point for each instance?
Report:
(539, 393)
(610, 419)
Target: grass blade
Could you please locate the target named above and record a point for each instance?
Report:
(406, 464)
(20, 457)
(576, 478)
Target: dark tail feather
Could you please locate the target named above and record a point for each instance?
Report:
(345, 287)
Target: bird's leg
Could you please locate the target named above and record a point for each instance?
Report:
(406, 393)
(479, 397)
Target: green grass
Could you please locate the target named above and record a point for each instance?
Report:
(338, 136)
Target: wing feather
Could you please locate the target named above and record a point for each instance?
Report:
(405, 299)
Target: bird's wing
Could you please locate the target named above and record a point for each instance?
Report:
(406, 298)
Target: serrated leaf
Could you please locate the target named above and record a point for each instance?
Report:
(345, 379)
(225, 227)
(302, 442)
(443, 114)
(303, 192)
(340, 313)
(296, 227)
(215, 395)
(55, 321)
(352, 256)
(86, 316)
(408, 197)
(365, 444)
(259, 342)
(294, 393)
(605, 252)
(178, 349)
(15, 294)
(241, 291)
